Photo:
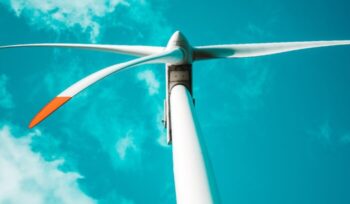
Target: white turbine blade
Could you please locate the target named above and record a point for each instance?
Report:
(172, 56)
(258, 49)
(123, 49)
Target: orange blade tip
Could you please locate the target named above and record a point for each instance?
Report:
(48, 109)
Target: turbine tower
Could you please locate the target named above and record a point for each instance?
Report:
(194, 181)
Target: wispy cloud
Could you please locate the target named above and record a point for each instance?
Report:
(125, 145)
(25, 177)
(325, 132)
(88, 16)
(330, 136)
(253, 86)
(345, 139)
(5, 97)
(65, 14)
(150, 80)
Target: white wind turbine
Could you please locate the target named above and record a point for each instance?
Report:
(194, 184)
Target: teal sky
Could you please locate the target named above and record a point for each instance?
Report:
(277, 128)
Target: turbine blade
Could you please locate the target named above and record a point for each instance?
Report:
(123, 49)
(258, 49)
(171, 56)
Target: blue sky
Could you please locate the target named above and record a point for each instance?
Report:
(277, 128)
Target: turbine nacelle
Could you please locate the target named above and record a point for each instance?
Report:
(178, 40)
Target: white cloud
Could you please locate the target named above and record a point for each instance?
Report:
(253, 86)
(162, 140)
(25, 177)
(125, 145)
(150, 80)
(89, 15)
(65, 14)
(330, 136)
(5, 96)
(325, 132)
(345, 139)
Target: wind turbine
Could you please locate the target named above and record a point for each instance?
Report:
(194, 182)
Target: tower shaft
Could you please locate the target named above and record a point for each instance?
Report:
(194, 181)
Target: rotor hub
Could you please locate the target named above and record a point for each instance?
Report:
(178, 40)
